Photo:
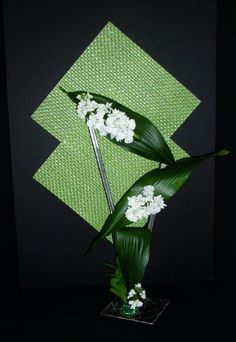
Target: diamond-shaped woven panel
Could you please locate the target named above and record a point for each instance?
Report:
(112, 65)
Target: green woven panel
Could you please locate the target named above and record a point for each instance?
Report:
(116, 67)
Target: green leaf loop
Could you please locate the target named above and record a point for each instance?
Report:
(148, 143)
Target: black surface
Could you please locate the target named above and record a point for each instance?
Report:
(225, 232)
(8, 251)
(197, 312)
(43, 39)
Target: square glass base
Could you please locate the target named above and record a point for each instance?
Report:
(149, 312)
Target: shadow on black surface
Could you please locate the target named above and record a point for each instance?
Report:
(198, 311)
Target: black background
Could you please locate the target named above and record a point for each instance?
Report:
(43, 39)
(199, 310)
(51, 238)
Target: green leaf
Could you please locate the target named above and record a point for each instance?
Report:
(166, 182)
(133, 250)
(118, 286)
(148, 143)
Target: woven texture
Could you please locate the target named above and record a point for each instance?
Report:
(116, 67)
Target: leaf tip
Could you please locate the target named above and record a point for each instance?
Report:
(223, 152)
(63, 90)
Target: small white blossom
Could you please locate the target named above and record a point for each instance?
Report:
(101, 109)
(156, 205)
(131, 215)
(138, 286)
(136, 201)
(135, 215)
(129, 138)
(96, 121)
(131, 293)
(143, 294)
(84, 96)
(135, 303)
(82, 110)
(84, 107)
(148, 190)
(132, 124)
(91, 106)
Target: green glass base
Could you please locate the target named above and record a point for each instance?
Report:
(127, 312)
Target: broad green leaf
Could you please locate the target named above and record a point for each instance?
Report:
(166, 182)
(133, 249)
(148, 143)
(118, 286)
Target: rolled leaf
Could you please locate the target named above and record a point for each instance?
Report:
(148, 141)
(117, 283)
(133, 249)
(166, 182)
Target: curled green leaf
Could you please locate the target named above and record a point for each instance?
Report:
(148, 141)
(166, 182)
(133, 250)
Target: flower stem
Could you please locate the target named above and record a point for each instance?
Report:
(101, 168)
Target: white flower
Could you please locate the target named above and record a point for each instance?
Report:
(132, 124)
(96, 121)
(136, 201)
(129, 138)
(84, 107)
(138, 286)
(81, 109)
(101, 109)
(156, 205)
(143, 294)
(120, 127)
(131, 293)
(91, 105)
(135, 303)
(148, 190)
(84, 96)
(132, 214)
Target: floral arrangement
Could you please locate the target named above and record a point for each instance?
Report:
(145, 198)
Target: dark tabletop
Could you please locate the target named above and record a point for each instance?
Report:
(199, 311)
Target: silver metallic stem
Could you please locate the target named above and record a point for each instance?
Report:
(105, 182)
(101, 168)
(151, 221)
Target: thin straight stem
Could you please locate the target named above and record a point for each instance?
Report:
(151, 221)
(101, 168)
(105, 182)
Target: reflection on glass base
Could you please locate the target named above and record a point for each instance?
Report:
(148, 314)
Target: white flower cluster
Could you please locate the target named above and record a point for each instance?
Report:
(135, 295)
(143, 205)
(106, 119)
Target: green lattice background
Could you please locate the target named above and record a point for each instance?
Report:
(112, 65)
